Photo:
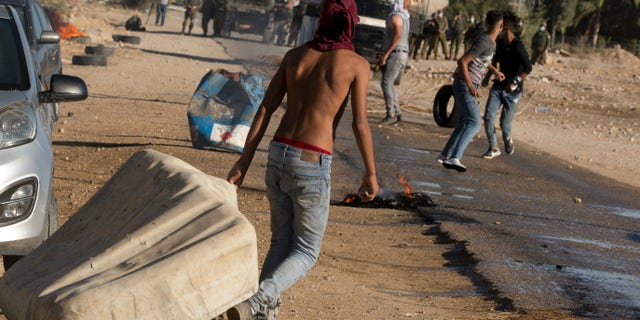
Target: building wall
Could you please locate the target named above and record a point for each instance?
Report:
(425, 7)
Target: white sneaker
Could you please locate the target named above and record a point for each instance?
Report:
(491, 153)
(454, 163)
(441, 158)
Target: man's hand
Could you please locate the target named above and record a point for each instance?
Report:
(383, 60)
(368, 189)
(236, 174)
(474, 92)
(500, 76)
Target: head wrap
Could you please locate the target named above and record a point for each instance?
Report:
(337, 26)
(398, 9)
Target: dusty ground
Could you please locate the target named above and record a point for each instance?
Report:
(382, 264)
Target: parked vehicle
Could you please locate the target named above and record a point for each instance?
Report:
(370, 29)
(28, 212)
(44, 43)
(250, 17)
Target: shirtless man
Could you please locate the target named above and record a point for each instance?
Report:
(317, 79)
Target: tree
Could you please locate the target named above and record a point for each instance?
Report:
(562, 16)
(591, 10)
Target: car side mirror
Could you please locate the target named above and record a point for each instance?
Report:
(49, 37)
(64, 88)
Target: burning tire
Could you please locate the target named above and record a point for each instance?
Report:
(98, 50)
(126, 39)
(445, 113)
(89, 60)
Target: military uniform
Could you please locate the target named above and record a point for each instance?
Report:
(441, 37)
(459, 28)
(539, 45)
(192, 7)
(220, 14)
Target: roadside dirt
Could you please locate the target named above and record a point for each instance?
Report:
(375, 264)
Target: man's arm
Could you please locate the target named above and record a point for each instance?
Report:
(526, 61)
(463, 64)
(395, 23)
(369, 186)
(272, 99)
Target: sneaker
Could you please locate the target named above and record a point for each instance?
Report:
(441, 158)
(491, 153)
(389, 120)
(454, 163)
(244, 311)
(508, 146)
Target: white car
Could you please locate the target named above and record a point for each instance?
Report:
(28, 213)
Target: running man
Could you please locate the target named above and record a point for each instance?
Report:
(467, 78)
(513, 61)
(317, 79)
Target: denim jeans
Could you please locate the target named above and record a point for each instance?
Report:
(390, 71)
(469, 123)
(161, 12)
(298, 186)
(509, 102)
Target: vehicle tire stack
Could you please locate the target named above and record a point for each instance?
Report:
(95, 56)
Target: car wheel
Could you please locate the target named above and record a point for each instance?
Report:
(445, 113)
(9, 261)
(89, 60)
(126, 39)
(98, 50)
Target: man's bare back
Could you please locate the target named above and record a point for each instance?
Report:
(317, 85)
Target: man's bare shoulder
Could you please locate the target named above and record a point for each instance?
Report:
(345, 57)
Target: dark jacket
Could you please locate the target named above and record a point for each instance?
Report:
(513, 59)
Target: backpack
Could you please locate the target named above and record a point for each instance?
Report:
(134, 24)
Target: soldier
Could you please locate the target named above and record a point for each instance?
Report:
(282, 16)
(296, 23)
(191, 9)
(219, 15)
(459, 27)
(474, 29)
(441, 37)
(539, 45)
(431, 28)
(207, 15)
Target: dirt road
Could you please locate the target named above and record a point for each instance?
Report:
(375, 264)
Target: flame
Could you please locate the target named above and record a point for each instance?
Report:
(70, 31)
(350, 199)
(406, 188)
(66, 30)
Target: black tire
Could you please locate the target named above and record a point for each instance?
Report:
(126, 39)
(9, 261)
(445, 113)
(89, 60)
(98, 50)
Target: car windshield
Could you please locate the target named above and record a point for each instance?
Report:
(374, 8)
(13, 70)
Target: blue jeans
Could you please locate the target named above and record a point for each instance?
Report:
(509, 102)
(298, 186)
(161, 12)
(469, 123)
(390, 71)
